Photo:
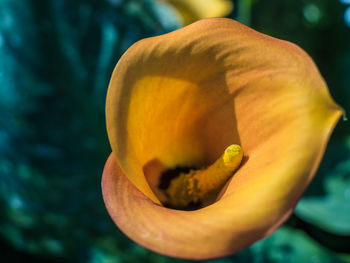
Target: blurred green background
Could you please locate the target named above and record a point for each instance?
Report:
(56, 57)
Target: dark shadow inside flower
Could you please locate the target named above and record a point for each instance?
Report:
(180, 115)
(159, 178)
(189, 95)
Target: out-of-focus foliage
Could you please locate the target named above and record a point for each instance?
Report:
(320, 28)
(56, 57)
(331, 211)
(289, 245)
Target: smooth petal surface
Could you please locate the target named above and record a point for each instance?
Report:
(192, 10)
(180, 99)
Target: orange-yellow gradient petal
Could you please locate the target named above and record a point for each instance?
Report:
(192, 10)
(180, 99)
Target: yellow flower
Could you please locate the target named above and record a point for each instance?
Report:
(178, 101)
(192, 10)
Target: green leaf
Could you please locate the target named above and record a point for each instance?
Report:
(289, 245)
(331, 211)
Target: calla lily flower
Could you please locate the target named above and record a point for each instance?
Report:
(193, 10)
(194, 103)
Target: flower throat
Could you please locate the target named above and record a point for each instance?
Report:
(187, 188)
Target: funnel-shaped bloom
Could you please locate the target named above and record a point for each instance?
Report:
(179, 100)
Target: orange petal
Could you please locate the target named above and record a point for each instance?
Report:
(180, 99)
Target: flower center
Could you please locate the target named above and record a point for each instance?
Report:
(189, 189)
